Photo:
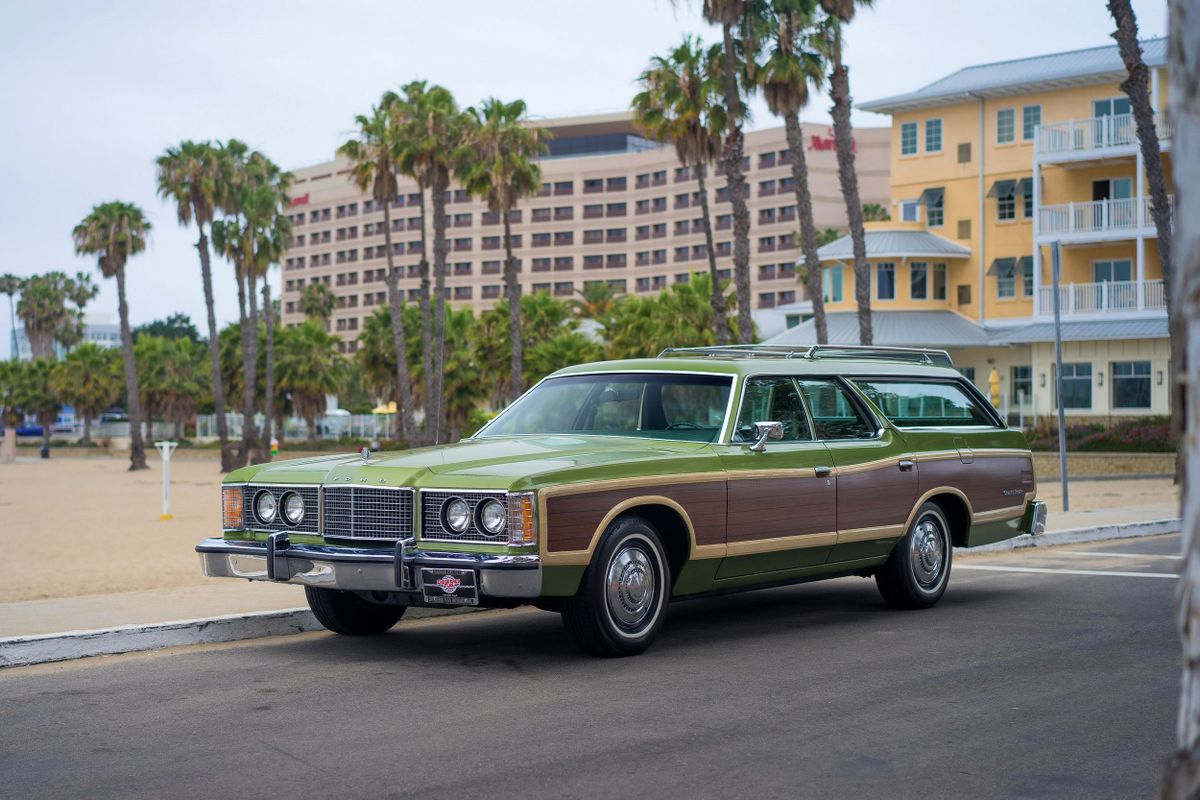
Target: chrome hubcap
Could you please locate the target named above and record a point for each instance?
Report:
(927, 552)
(631, 586)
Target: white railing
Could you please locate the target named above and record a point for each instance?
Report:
(1091, 217)
(1097, 133)
(1092, 298)
(1148, 208)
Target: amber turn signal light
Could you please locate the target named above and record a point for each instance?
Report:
(231, 507)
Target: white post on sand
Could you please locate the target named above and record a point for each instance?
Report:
(166, 448)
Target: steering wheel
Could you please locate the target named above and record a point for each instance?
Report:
(684, 426)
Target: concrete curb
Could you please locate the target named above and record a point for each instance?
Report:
(46, 648)
(1098, 533)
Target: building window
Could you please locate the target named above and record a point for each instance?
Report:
(939, 281)
(831, 285)
(934, 201)
(1006, 125)
(1130, 384)
(933, 136)
(1022, 385)
(1031, 117)
(1006, 207)
(968, 373)
(918, 280)
(1027, 198)
(1077, 385)
(1005, 270)
(1120, 270)
(1026, 276)
(910, 211)
(908, 138)
(886, 284)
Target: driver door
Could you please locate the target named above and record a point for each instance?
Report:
(782, 502)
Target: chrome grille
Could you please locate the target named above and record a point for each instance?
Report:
(431, 517)
(367, 512)
(309, 494)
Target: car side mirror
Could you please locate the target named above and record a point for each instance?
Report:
(764, 431)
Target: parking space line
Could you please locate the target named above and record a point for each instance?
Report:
(1104, 554)
(1068, 571)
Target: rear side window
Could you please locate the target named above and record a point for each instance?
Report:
(916, 404)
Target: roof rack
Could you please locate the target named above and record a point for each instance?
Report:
(918, 355)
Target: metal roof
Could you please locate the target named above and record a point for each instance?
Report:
(1056, 70)
(892, 328)
(895, 244)
(1084, 331)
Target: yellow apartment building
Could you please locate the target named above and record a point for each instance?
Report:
(990, 166)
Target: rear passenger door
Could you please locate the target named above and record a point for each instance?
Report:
(876, 476)
(782, 501)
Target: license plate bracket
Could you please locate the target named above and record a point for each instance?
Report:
(450, 587)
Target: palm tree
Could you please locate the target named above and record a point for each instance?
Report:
(784, 78)
(11, 409)
(729, 14)
(191, 175)
(679, 104)
(317, 302)
(372, 158)
(874, 212)
(89, 379)
(38, 397)
(596, 301)
(499, 165)
(269, 317)
(838, 13)
(309, 368)
(51, 309)
(11, 285)
(114, 232)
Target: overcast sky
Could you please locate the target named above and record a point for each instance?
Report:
(92, 92)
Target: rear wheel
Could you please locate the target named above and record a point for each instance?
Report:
(348, 614)
(622, 598)
(916, 574)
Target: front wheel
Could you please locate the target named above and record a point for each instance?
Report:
(622, 597)
(348, 614)
(916, 574)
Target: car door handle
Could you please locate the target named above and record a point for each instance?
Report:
(823, 472)
(905, 465)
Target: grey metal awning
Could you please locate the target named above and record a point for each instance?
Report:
(1002, 190)
(1025, 186)
(1003, 267)
(932, 196)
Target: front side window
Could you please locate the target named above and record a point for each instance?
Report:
(908, 138)
(1077, 385)
(918, 280)
(835, 415)
(933, 136)
(660, 406)
(912, 404)
(772, 399)
(1006, 125)
(1131, 384)
(886, 284)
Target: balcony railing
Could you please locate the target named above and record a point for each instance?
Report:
(1094, 298)
(1097, 216)
(1097, 133)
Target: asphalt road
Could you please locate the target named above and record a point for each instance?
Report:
(1019, 684)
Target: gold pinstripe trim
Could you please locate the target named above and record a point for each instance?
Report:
(755, 546)
(870, 534)
(999, 514)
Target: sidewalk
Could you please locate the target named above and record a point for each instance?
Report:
(220, 596)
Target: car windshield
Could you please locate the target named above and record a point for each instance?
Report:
(653, 405)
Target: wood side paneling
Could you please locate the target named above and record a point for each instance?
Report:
(769, 508)
(572, 519)
(984, 481)
(876, 497)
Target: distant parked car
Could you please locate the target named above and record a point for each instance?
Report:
(26, 429)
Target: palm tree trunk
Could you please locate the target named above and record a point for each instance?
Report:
(839, 90)
(41, 343)
(404, 399)
(178, 428)
(808, 229)
(311, 422)
(426, 324)
(720, 322)
(512, 292)
(214, 355)
(1181, 775)
(269, 398)
(137, 449)
(250, 366)
(87, 428)
(440, 247)
(731, 157)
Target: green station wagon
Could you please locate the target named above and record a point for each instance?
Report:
(610, 489)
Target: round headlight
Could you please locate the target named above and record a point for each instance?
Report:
(293, 508)
(456, 514)
(492, 516)
(264, 507)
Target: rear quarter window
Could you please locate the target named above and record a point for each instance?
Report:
(917, 404)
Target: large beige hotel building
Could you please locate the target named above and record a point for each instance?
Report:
(613, 207)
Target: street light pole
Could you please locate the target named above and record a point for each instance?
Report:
(1055, 269)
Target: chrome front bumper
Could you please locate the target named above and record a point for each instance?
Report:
(365, 569)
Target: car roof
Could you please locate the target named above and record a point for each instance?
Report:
(749, 365)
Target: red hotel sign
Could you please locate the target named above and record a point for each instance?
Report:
(818, 142)
(302, 200)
